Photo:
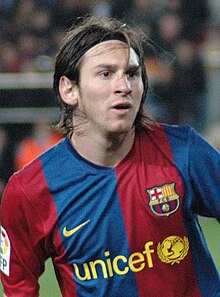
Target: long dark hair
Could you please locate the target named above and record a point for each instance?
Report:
(78, 41)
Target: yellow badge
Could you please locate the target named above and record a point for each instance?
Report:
(173, 249)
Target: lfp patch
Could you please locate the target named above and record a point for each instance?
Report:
(5, 252)
(163, 199)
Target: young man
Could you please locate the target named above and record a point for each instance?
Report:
(115, 203)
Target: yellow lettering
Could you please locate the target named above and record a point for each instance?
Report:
(115, 265)
(148, 253)
(87, 273)
(93, 268)
(136, 258)
(109, 264)
(119, 265)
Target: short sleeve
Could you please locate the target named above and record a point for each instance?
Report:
(204, 168)
(22, 243)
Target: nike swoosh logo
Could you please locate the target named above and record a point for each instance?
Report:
(68, 233)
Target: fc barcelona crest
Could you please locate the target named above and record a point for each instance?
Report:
(164, 200)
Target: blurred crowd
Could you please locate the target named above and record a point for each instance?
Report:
(31, 30)
(179, 32)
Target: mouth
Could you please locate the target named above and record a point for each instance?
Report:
(122, 106)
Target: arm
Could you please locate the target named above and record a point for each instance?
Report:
(23, 254)
(204, 166)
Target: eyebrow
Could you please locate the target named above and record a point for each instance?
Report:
(133, 67)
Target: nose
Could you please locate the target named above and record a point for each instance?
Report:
(123, 85)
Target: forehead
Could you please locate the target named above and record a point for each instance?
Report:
(109, 50)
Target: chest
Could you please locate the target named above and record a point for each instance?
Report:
(119, 211)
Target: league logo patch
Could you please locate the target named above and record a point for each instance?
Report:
(5, 251)
(164, 200)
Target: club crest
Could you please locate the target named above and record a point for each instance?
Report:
(164, 200)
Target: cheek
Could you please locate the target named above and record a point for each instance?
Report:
(141, 86)
(91, 97)
(138, 90)
(94, 92)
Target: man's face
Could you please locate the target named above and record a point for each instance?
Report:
(110, 88)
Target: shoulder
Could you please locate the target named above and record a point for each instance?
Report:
(183, 141)
(179, 131)
(173, 133)
(28, 187)
(183, 137)
(32, 173)
(186, 143)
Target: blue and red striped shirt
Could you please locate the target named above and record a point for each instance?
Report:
(129, 231)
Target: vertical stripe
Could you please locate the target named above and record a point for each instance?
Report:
(35, 186)
(207, 276)
(98, 252)
(150, 165)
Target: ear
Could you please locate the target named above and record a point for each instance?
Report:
(68, 91)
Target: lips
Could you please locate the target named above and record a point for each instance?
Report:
(125, 105)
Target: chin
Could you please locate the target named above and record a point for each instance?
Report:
(121, 129)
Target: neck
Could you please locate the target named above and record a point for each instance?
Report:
(103, 150)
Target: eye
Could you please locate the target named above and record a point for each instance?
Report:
(105, 74)
(131, 74)
(134, 73)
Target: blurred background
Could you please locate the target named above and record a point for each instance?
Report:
(183, 65)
